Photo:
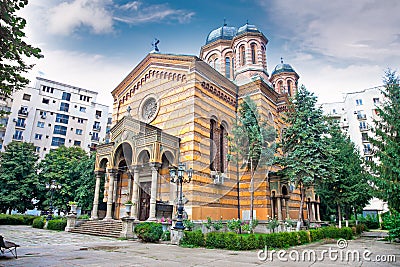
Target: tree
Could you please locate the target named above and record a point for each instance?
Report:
(348, 188)
(13, 48)
(85, 193)
(18, 176)
(305, 150)
(252, 142)
(386, 168)
(71, 167)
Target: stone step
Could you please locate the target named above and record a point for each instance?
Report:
(100, 228)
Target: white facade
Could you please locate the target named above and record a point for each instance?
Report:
(53, 114)
(356, 114)
(5, 106)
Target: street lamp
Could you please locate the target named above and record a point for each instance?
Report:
(177, 176)
(53, 186)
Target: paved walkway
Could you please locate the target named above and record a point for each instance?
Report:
(50, 248)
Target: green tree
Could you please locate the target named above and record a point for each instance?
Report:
(252, 142)
(71, 167)
(85, 192)
(348, 188)
(13, 48)
(386, 170)
(18, 176)
(306, 154)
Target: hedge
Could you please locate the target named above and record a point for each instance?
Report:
(6, 219)
(233, 241)
(57, 224)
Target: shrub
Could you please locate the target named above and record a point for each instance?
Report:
(251, 242)
(393, 224)
(188, 224)
(233, 225)
(208, 224)
(345, 233)
(57, 224)
(166, 236)
(193, 238)
(38, 223)
(84, 217)
(215, 240)
(371, 222)
(218, 225)
(272, 224)
(272, 240)
(261, 241)
(232, 241)
(149, 231)
(16, 219)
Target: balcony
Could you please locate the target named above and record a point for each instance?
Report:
(96, 128)
(18, 137)
(367, 151)
(361, 116)
(23, 112)
(364, 128)
(95, 138)
(20, 125)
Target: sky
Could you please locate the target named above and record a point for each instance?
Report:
(335, 46)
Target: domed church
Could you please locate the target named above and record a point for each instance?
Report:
(173, 110)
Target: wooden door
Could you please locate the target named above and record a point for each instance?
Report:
(144, 201)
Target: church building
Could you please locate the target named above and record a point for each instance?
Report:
(173, 109)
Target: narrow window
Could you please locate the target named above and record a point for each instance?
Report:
(253, 53)
(242, 55)
(227, 67)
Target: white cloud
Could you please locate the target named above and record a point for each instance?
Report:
(89, 71)
(132, 14)
(342, 29)
(68, 16)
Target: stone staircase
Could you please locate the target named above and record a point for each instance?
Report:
(109, 228)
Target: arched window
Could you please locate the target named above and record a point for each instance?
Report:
(253, 53)
(289, 87)
(280, 87)
(214, 147)
(222, 148)
(242, 52)
(227, 67)
(218, 146)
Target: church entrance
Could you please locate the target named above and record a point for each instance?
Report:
(144, 200)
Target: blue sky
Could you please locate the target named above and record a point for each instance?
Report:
(336, 47)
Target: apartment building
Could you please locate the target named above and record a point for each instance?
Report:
(52, 114)
(355, 115)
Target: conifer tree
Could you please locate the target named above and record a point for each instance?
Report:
(306, 153)
(386, 168)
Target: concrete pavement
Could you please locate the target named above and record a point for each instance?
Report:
(51, 248)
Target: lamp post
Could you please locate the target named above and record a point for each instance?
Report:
(53, 186)
(177, 176)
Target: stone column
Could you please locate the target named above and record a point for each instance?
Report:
(153, 194)
(279, 202)
(287, 209)
(111, 173)
(135, 193)
(313, 211)
(95, 210)
(318, 215)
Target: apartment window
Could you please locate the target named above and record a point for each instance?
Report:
(47, 89)
(64, 107)
(38, 136)
(84, 98)
(43, 114)
(66, 96)
(361, 115)
(57, 141)
(333, 111)
(45, 101)
(376, 100)
(79, 131)
(80, 120)
(40, 124)
(82, 109)
(98, 113)
(364, 136)
(359, 102)
(96, 126)
(61, 118)
(20, 122)
(37, 148)
(26, 97)
(367, 148)
(59, 129)
(18, 135)
(363, 125)
(95, 136)
(77, 143)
